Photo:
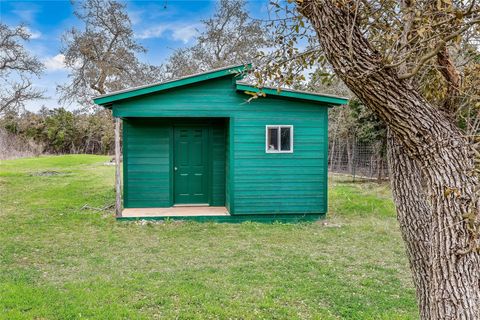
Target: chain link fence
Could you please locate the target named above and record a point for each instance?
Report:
(362, 160)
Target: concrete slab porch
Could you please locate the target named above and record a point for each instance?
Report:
(211, 214)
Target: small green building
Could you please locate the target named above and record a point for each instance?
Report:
(200, 148)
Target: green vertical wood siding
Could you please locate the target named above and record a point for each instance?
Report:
(254, 182)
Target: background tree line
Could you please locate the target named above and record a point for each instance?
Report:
(57, 131)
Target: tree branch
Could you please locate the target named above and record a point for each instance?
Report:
(436, 50)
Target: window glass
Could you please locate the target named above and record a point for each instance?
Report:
(279, 139)
(285, 139)
(272, 143)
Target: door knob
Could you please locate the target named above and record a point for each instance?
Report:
(175, 168)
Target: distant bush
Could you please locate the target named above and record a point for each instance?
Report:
(13, 146)
(57, 131)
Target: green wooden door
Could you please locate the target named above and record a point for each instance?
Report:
(191, 165)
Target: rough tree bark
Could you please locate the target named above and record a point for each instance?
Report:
(414, 217)
(433, 141)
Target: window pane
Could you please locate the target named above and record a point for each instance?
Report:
(272, 143)
(285, 139)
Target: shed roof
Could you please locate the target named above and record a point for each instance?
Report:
(296, 94)
(109, 98)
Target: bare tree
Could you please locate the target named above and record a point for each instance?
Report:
(16, 68)
(415, 65)
(229, 37)
(103, 56)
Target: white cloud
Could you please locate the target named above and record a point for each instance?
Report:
(178, 32)
(153, 32)
(185, 33)
(55, 63)
(34, 34)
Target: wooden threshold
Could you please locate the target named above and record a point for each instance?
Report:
(177, 211)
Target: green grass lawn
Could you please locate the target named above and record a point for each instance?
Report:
(59, 261)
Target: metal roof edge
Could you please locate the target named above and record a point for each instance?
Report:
(296, 94)
(109, 98)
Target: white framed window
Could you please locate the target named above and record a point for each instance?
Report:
(279, 139)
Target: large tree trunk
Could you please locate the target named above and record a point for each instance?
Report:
(414, 216)
(428, 137)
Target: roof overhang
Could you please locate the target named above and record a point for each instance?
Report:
(107, 100)
(294, 94)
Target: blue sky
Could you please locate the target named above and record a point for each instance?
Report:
(159, 29)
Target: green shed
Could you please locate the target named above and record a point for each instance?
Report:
(199, 148)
